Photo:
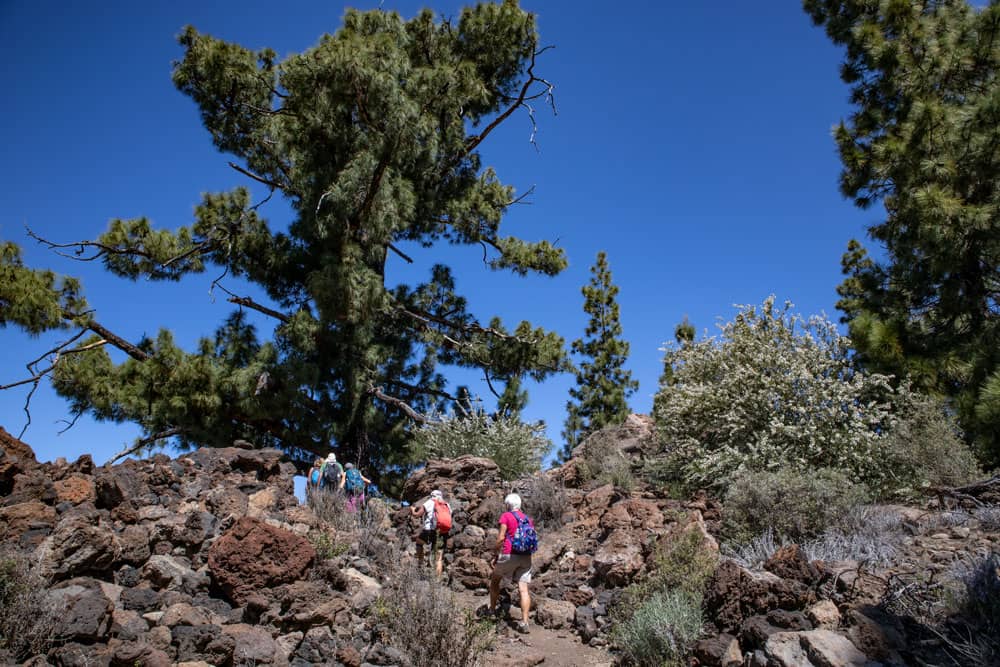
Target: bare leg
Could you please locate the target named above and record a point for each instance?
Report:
(522, 586)
(494, 591)
(439, 561)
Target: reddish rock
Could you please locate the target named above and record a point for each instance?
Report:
(618, 559)
(446, 475)
(253, 556)
(16, 519)
(789, 562)
(733, 594)
(75, 489)
(721, 651)
(15, 458)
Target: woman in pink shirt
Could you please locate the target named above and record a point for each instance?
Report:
(517, 566)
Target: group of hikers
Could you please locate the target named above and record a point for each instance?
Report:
(510, 553)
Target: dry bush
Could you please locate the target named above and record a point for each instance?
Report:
(868, 534)
(424, 621)
(607, 465)
(545, 501)
(27, 615)
(661, 630)
(367, 526)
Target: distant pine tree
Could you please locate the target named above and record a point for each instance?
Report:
(602, 383)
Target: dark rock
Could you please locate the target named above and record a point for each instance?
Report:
(755, 630)
(380, 654)
(585, 623)
(733, 594)
(789, 562)
(789, 620)
(79, 545)
(203, 642)
(720, 651)
(85, 612)
(74, 654)
(140, 599)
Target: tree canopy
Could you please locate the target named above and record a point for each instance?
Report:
(373, 137)
(924, 141)
(603, 386)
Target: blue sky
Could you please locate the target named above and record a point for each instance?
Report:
(692, 144)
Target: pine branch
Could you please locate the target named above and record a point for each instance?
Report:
(253, 305)
(170, 432)
(399, 403)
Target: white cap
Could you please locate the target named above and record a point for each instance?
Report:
(331, 458)
(513, 501)
(437, 494)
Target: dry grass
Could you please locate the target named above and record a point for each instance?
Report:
(421, 618)
(27, 615)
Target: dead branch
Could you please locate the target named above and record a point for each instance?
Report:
(407, 258)
(399, 403)
(116, 340)
(970, 492)
(170, 432)
(253, 305)
(260, 179)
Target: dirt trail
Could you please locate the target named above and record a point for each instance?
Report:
(551, 648)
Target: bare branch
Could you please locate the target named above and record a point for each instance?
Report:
(102, 249)
(116, 340)
(422, 390)
(170, 432)
(70, 424)
(260, 179)
(399, 403)
(409, 260)
(250, 303)
(489, 383)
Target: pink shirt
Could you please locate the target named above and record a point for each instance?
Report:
(508, 519)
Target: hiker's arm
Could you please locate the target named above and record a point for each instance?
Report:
(343, 478)
(365, 480)
(500, 537)
(417, 510)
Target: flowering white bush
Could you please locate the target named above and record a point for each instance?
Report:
(771, 390)
(515, 447)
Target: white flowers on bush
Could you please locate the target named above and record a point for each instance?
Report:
(515, 447)
(771, 390)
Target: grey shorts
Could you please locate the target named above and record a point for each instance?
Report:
(515, 566)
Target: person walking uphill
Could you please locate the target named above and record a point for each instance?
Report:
(516, 542)
(434, 529)
(354, 487)
(332, 474)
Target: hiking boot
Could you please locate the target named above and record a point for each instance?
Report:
(522, 627)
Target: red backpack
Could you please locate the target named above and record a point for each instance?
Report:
(442, 515)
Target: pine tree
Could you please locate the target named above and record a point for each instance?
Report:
(602, 384)
(922, 141)
(373, 138)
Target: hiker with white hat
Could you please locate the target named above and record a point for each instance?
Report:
(434, 529)
(331, 474)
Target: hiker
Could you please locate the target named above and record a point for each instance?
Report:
(515, 543)
(332, 475)
(434, 529)
(314, 479)
(354, 486)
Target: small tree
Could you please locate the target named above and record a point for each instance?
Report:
(602, 384)
(771, 390)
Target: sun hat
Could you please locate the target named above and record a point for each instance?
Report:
(437, 494)
(331, 458)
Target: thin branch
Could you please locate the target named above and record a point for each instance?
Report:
(31, 364)
(422, 390)
(116, 340)
(145, 442)
(70, 424)
(489, 383)
(259, 179)
(409, 260)
(399, 403)
(82, 246)
(250, 303)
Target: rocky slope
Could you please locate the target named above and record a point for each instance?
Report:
(208, 558)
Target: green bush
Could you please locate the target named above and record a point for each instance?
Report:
(517, 448)
(926, 450)
(772, 389)
(661, 630)
(797, 505)
(684, 563)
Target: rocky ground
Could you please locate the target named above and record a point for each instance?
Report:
(208, 558)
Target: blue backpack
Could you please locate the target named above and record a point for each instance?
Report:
(353, 483)
(525, 539)
(315, 478)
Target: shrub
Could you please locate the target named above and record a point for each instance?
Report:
(797, 506)
(771, 390)
(656, 621)
(982, 594)
(607, 465)
(545, 500)
(27, 616)
(925, 448)
(517, 448)
(868, 534)
(422, 618)
(661, 630)
(367, 527)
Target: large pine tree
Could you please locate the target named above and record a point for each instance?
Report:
(602, 383)
(373, 138)
(924, 141)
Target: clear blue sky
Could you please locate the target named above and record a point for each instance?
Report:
(692, 144)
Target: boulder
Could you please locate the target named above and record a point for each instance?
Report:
(79, 545)
(618, 559)
(254, 556)
(720, 651)
(790, 562)
(255, 646)
(448, 474)
(84, 610)
(554, 614)
(733, 594)
(19, 518)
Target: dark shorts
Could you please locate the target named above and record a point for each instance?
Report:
(433, 539)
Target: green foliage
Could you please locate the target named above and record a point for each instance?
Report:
(602, 384)
(373, 138)
(657, 620)
(922, 142)
(924, 448)
(517, 448)
(661, 631)
(772, 390)
(326, 547)
(796, 505)
(605, 465)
